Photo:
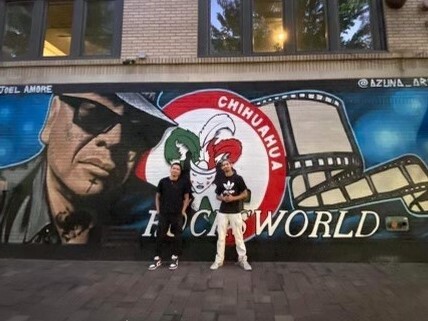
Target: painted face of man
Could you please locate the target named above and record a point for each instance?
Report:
(201, 178)
(92, 142)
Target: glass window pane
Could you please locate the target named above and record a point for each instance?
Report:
(58, 29)
(17, 29)
(225, 26)
(99, 28)
(311, 25)
(355, 28)
(268, 31)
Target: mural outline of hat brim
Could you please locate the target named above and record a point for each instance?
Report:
(157, 120)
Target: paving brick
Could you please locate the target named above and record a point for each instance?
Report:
(284, 318)
(80, 315)
(120, 291)
(19, 318)
(208, 316)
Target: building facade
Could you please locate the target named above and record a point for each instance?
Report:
(321, 105)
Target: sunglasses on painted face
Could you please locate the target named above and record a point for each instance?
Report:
(95, 119)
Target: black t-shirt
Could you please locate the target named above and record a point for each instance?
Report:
(232, 185)
(172, 195)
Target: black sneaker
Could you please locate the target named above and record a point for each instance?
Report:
(174, 262)
(157, 262)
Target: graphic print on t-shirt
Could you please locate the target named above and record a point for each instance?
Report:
(228, 188)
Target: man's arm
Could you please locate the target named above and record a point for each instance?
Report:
(241, 196)
(186, 202)
(157, 202)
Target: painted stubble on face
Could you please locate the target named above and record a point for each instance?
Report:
(87, 163)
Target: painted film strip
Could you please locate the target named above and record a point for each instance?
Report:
(326, 168)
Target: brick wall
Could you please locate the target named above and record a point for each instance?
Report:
(160, 29)
(169, 28)
(166, 31)
(405, 28)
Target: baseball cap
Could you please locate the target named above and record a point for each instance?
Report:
(139, 101)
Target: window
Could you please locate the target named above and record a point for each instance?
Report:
(57, 39)
(60, 28)
(268, 30)
(225, 27)
(260, 27)
(311, 28)
(17, 28)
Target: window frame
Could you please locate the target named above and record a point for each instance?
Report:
(38, 29)
(377, 26)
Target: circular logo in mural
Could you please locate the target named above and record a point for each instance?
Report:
(212, 125)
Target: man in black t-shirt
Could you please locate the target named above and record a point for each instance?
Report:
(231, 191)
(172, 199)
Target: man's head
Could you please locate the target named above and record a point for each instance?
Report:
(175, 171)
(227, 167)
(94, 140)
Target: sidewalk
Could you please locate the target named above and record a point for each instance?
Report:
(46, 290)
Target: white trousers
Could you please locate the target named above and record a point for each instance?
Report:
(236, 223)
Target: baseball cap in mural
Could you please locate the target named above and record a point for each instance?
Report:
(143, 102)
(156, 125)
(144, 123)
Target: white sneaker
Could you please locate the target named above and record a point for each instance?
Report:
(245, 265)
(216, 265)
(157, 262)
(174, 262)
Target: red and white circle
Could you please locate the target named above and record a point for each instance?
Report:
(262, 162)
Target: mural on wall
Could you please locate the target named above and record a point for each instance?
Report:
(91, 144)
(325, 160)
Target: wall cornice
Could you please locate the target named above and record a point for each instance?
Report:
(296, 67)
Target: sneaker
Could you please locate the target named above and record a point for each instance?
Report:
(157, 262)
(174, 262)
(216, 265)
(245, 265)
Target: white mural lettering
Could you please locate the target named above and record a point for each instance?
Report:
(298, 221)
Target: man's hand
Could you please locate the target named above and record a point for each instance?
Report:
(229, 198)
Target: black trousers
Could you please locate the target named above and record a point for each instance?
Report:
(175, 220)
